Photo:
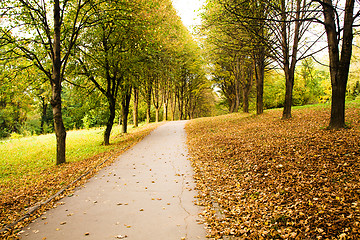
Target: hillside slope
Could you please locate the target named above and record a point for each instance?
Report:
(260, 177)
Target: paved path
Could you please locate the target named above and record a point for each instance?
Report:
(146, 194)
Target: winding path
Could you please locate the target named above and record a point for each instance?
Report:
(146, 194)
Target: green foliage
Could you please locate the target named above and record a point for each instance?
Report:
(146, 42)
(274, 90)
(312, 86)
(309, 84)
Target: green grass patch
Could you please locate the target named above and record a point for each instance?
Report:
(23, 155)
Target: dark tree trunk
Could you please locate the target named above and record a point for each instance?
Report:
(165, 117)
(125, 104)
(56, 90)
(43, 113)
(288, 95)
(259, 75)
(148, 104)
(110, 121)
(245, 102)
(289, 67)
(337, 118)
(339, 66)
(136, 103)
(231, 106)
(157, 100)
(166, 100)
(237, 95)
(173, 106)
(181, 104)
(247, 88)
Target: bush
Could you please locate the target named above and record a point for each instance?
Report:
(15, 135)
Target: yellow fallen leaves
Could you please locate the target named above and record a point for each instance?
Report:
(263, 178)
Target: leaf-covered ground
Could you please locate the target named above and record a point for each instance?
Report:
(260, 177)
(20, 193)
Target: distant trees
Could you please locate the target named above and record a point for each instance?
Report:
(263, 30)
(97, 56)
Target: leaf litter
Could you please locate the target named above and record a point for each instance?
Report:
(260, 177)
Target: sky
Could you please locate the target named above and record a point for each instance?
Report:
(188, 11)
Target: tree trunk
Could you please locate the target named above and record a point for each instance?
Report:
(56, 90)
(339, 66)
(157, 110)
(289, 67)
(59, 126)
(237, 96)
(181, 102)
(337, 118)
(165, 117)
(148, 104)
(231, 106)
(288, 94)
(136, 104)
(259, 74)
(246, 92)
(125, 103)
(43, 114)
(110, 121)
(173, 106)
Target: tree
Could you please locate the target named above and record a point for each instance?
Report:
(45, 45)
(105, 56)
(242, 30)
(338, 37)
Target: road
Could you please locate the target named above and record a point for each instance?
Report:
(148, 193)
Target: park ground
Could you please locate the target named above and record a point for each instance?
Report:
(258, 177)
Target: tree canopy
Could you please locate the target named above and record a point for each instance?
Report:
(82, 61)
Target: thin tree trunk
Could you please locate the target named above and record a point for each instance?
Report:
(245, 102)
(173, 106)
(136, 104)
(56, 90)
(237, 96)
(232, 106)
(125, 110)
(165, 117)
(259, 74)
(148, 105)
(110, 121)
(43, 114)
(246, 90)
(289, 68)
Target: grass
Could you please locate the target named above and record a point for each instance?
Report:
(20, 156)
(28, 173)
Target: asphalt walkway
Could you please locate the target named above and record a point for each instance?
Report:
(147, 194)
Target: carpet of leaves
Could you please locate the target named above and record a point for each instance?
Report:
(20, 194)
(260, 177)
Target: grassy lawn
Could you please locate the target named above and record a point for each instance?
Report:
(27, 165)
(260, 177)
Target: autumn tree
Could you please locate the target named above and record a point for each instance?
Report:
(49, 31)
(339, 32)
(237, 27)
(105, 56)
(230, 50)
